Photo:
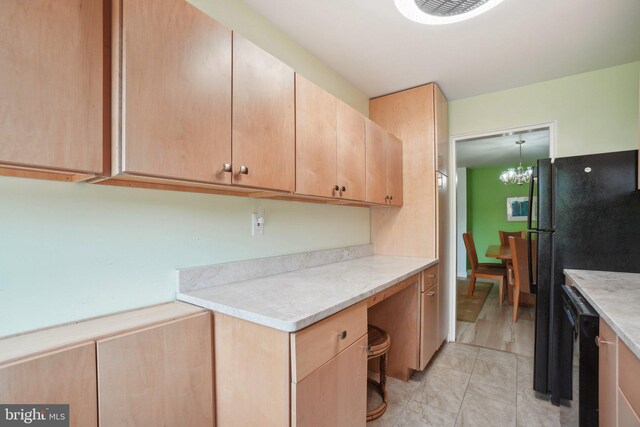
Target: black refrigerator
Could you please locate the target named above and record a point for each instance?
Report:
(585, 214)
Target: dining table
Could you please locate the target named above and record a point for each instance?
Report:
(503, 253)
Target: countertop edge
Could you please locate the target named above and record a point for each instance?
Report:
(633, 346)
(294, 326)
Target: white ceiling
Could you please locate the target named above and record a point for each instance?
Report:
(517, 43)
(502, 150)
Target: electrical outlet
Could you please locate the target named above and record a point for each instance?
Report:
(257, 223)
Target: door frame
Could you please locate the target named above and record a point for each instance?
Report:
(452, 252)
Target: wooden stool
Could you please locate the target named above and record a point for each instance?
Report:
(378, 346)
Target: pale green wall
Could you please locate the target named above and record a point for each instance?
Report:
(72, 251)
(237, 16)
(596, 112)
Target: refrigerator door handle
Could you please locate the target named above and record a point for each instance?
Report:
(533, 282)
(534, 178)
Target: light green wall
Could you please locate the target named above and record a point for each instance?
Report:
(237, 16)
(72, 251)
(596, 112)
(486, 207)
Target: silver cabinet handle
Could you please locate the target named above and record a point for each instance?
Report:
(226, 167)
(342, 335)
(431, 293)
(433, 276)
(599, 341)
(244, 170)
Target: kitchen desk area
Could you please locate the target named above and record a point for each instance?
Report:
(292, 346)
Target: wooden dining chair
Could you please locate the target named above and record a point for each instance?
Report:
(504, 241)
(489, 271)
(519, 258)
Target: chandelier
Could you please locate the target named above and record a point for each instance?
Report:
(517, 175)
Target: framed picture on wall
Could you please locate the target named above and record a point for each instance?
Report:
(517, 208)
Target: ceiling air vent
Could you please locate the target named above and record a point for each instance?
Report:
(443, 11)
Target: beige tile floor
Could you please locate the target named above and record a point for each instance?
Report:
(494, 327)
(467, 385)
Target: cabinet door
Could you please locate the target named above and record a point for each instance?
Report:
(315, 140)
(263, 118)
(335, 394)
(394, 169)
(159, 376)
(177, 92)
(376, 167)
(66, 376)
(627, 417)
(428, 325)
(52, 86)
(350, 153)
(607, 375)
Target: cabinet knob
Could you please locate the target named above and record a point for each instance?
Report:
(336, 188)
(390, 197)
(226, 167)
(343, 188)
(342, 335)
(244, 170)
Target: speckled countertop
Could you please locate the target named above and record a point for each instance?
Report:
(293, 300)
(616, 298)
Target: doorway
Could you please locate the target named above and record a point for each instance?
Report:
(483, 205)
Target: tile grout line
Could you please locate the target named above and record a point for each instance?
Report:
(467, 386)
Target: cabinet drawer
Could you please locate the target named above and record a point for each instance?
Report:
(315, 345)
(429, 277)
(629, 380)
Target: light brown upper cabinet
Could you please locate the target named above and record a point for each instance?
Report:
(384, 166)
(263, 119)
(394, 170)
(316, 117)
(52, 90)
(172, 105)
(351, 153)
(330, 145)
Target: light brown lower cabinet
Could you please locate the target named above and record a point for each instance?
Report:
(627, 417)
(607, 375)
(313, 377)
(66, 376)
(160, 376)
(429, 341)
(333, 395)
